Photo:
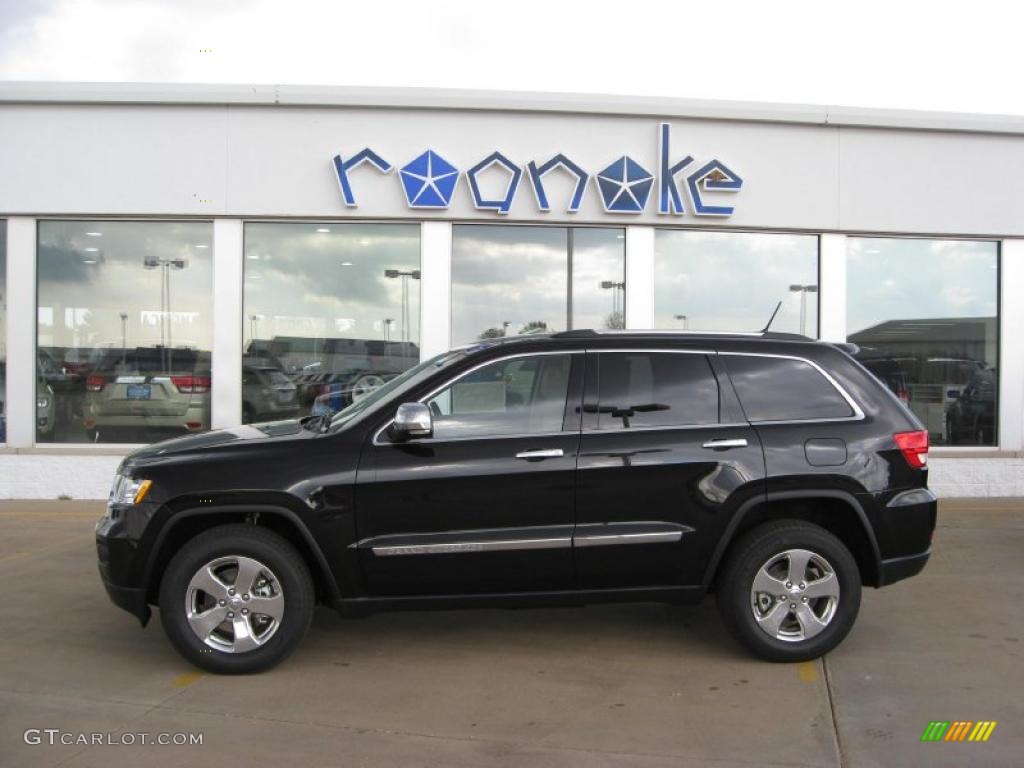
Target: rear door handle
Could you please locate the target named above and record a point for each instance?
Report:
(722, 444)
(546, 453)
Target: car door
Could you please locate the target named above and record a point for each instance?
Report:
(485, 504)
(665, 458)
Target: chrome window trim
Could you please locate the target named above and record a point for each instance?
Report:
(666, 428)
(426, 398)
(858, 413)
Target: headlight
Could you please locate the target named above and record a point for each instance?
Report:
(129, 490)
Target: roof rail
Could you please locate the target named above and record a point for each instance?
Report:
(589, 333)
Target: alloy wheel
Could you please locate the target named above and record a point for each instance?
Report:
(794, 595)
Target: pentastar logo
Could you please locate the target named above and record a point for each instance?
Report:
(624, 186)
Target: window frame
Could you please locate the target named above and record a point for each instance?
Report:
(858, 412)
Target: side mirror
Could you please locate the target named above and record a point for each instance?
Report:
(412, 420)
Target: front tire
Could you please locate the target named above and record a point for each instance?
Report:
(789, 591)
(236, 599)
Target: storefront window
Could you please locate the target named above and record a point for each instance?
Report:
(332, 311)
(508, 280)
(924, 314)
(733, 281)
(124, 330)
(3, 331)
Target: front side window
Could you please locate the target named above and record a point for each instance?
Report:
(784, 389)
(518, 396)
(732, 281)
(331, 314)
(124, 330)
(924, 314)
(651, 389)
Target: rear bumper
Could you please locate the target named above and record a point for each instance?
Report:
(899, 568)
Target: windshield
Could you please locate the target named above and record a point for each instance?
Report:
(402, 383)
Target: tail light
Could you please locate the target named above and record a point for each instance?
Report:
(95, 383)
(914, 446)
(191, 385)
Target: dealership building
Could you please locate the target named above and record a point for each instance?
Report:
(175, 258)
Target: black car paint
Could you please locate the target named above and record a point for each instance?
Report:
(342, 491)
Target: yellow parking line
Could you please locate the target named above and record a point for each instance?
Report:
(186, 679)
(808, 671)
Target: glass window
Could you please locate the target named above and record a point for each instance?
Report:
(332, 312)
(925, 316)
(124, 330)
(641, 389)
(510, 279)
(732, 281)
(779, 389)
(3, 331)
(519, 396)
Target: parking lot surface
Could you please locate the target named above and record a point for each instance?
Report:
(644, 685)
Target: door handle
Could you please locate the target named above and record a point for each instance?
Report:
(546, 453)
(722, 444)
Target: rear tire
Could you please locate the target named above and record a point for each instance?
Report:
(236, 599)
(789, 591)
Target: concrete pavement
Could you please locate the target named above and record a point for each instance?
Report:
(643, 685)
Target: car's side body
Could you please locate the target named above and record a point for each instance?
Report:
(573, 514)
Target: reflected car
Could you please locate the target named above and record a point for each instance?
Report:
(336, 395)
(46, 407)
(267, 394)
(889, 371)
(148, 388)
(971, 419)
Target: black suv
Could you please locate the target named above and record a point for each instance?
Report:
(566, 469)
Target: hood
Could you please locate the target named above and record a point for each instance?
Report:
(218, 438)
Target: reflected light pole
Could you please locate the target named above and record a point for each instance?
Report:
(124, 338)
(803, 290)
(388, 321)
(254, 324)
(685, 319)
(415, 275)
(614, 287)
(165, 266)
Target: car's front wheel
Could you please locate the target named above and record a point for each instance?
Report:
(236, 599)
(789, 591)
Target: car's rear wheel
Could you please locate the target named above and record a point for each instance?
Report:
(236, 599)
(789, 591)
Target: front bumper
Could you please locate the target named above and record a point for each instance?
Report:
(116, 553)
(130, 599)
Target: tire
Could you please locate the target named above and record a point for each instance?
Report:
(754, 612)
(256, 631)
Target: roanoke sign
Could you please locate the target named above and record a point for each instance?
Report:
(680, 184)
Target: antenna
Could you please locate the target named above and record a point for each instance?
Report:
(772, 318)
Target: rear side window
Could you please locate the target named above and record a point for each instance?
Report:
(655, 389)
(781, 389)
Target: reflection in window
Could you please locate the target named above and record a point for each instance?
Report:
(644, 389)
(732, 281)
(124, 330)
(3, 332)
(924, 314)
(524, 395)
(782, 389)
(331, 314)
(508, 280)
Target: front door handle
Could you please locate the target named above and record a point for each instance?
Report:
(547, 453)
(722, 444)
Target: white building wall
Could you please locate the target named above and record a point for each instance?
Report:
(832, 172)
